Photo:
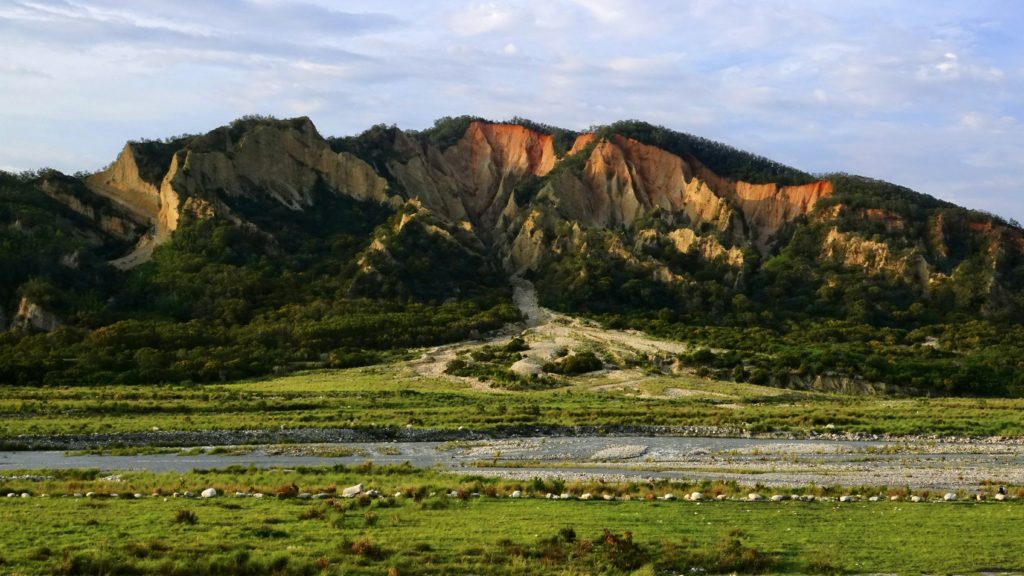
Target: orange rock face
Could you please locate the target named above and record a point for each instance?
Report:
(581, 142)
(766, 207)
(489, 160)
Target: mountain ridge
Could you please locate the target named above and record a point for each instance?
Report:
(634, 223)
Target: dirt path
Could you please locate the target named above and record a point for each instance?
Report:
(550, 334)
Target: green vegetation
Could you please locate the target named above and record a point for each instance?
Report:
(722, 159)
(574, 364)
(399, 535)
(221, 303)
(390, 397)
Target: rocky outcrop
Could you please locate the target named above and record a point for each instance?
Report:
(842, 384)
(118, 224)
(32, 316)
(685, 240)
(876, 257)
(123, 184)
(473, 180)
(767, 207)
(625, 180)
(282, 162)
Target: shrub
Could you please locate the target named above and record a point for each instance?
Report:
(185, 517)
(366, 548)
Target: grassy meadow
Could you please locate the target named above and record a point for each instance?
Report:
(394, 396)
(426, 529)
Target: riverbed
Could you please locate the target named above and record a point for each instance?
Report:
(768, 462)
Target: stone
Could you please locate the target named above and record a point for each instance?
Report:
(1000, 497)
(721, 497)
(90, 494)
(241, 495)
(11, 494)
(669, 496)
(258, 495)
(189, 494)
(915, 498)
(608, 497)
(894, 498)
(209, 493)
(587, 496)
(565, 496)
(517, 494)
(304, 496)
(321, 496)
(352, 491)
(26, 495)
(873, 499)
(846, 498)
(696, 497)
(778, 498)
(754, 497)
(949, 497)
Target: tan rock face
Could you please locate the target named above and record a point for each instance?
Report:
(31, 316)
(686, 240)
(282, 162)
(474, 179)
(123, 184)
(625, 180)
(767, 207)
(120, 225)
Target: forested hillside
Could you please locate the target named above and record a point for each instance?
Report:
(263, 247)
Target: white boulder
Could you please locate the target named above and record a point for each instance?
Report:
(352, 491)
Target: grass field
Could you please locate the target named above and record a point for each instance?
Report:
(421, 533)
(392, 395)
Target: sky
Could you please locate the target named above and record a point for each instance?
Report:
(924, 93)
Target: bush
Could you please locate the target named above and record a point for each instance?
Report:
(579, 363)
(185, 517)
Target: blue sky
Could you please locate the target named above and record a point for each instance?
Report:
(928, 94)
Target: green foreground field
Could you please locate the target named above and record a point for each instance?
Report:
(394, 396)
(425, 530)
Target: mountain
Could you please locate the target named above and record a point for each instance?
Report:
(262, 246)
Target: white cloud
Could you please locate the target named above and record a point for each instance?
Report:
(483, 18)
